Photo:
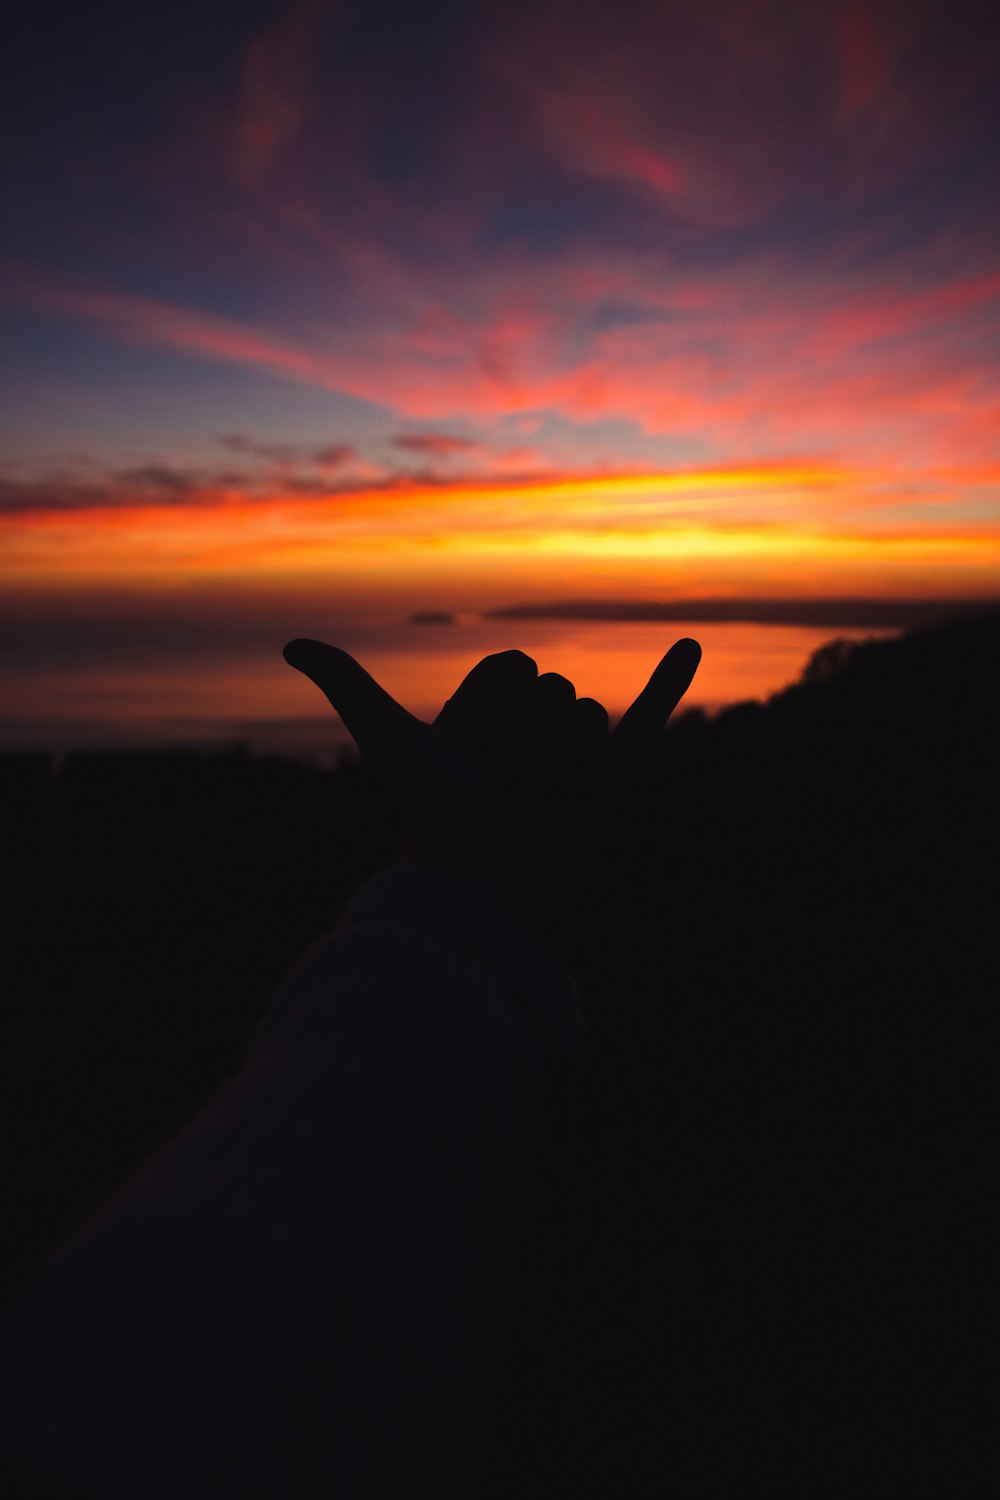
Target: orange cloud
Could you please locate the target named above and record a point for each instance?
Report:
(785, 529)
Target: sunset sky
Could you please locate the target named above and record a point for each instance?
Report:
(433, 329)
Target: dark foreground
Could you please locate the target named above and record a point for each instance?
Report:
(759, 1261)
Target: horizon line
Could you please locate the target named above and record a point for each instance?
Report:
(847, 611)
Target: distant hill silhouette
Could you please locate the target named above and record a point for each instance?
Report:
(756, 1245)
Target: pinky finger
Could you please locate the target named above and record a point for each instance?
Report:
(641, 724)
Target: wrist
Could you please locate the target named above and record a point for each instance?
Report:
(524, 876)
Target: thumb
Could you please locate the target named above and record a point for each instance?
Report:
(376, 722)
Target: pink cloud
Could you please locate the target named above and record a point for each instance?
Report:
(275, 89)
(711, 116)
(863, 55)
(880, 314)
(604, 147)
(738, 357)
(145, 320)
(723, 112)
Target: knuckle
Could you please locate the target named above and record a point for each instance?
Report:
(591, 707)
(515, 661)
(556, 686)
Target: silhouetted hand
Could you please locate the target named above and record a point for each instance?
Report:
(517, 779)
(461, 784)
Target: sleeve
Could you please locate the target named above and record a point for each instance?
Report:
(314, 1280)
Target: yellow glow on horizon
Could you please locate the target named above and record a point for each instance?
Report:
(760, 528)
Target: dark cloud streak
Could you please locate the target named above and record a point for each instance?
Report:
(274, 453)
(834, 613)
(440, 444)
(156, 477)
(335, 455)
(119, 491)
(332, 456)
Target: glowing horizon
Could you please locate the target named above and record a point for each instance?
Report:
(650, 523)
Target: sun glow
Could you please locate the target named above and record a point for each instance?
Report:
(597, 529)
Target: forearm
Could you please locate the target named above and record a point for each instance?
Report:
(326, 1258)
